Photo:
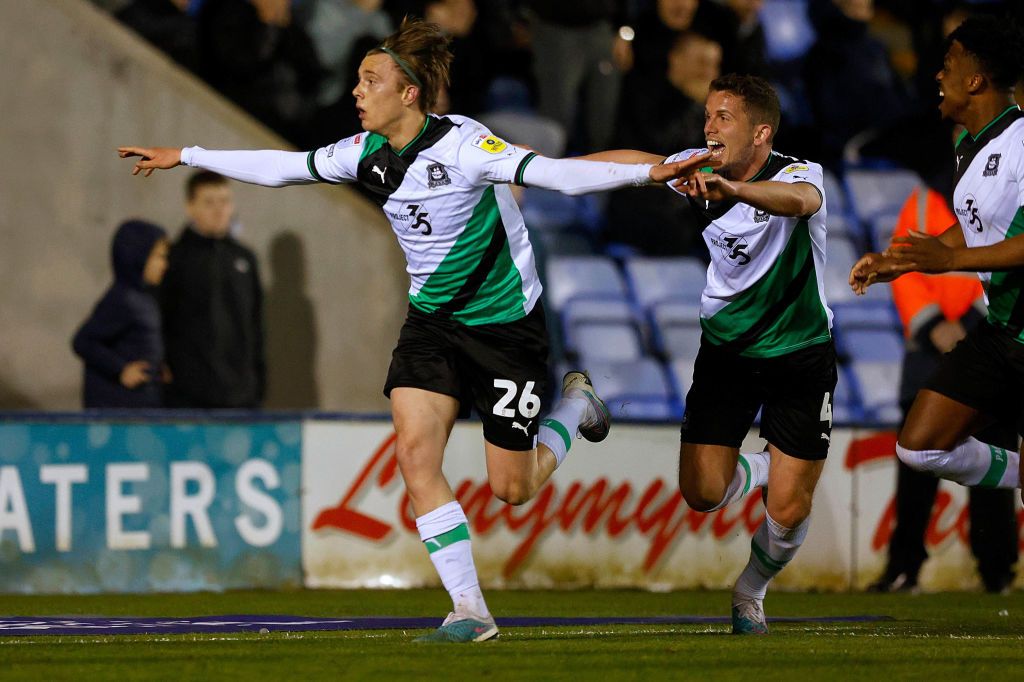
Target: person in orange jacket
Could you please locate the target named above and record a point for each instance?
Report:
(936, 312)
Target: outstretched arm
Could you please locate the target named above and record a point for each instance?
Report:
(949, 252)
(575, 176)
(270, 168)
(918, 252)
(791, 199)
(622, 156)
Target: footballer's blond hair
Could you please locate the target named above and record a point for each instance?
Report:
(420, 50)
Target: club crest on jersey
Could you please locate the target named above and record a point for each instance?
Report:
(992, 165)
(760, 216)
(437, 175)
(490, 144)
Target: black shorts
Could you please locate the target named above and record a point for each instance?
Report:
(985, 371)
(501, 370)
(795, 391)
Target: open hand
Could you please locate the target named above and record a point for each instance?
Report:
(152, 158)
(923, 252)
(665, 172)
(874, 268)
(707, 186)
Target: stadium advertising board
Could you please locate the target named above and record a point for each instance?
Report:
(103, 507)
(611, 516)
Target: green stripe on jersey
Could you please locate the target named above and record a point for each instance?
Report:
(802, 322)
(500, 297)
(457, 534)
(1004, 288)
(373, 143)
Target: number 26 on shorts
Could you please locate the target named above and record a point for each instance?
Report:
(529, 404)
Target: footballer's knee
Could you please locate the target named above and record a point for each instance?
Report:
(700, 495)
(919, 459)
(511, 491)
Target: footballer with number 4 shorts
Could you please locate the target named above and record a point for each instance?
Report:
(474, 335)
(980, 381)
(766, 340)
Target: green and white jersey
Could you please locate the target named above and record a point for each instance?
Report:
(467, 249)
(988, 197)
(764, 295)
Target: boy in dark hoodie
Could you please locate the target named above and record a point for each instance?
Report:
(121, 342)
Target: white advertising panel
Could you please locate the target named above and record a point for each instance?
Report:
(611, 516)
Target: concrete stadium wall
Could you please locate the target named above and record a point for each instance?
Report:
(75, 85)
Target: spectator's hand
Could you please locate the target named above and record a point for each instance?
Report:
(665, 172)
(135, 374)
(923, 251)
(874, 268)
(946, 334)
(707, 186)
(153, 158)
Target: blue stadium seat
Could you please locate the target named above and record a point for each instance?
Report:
(788, 33)
(604, 341)
(675, 312)
(653, 280)
(846, 408)
(864, 314)
(872, 345)
(681, 374)
(878, 384)
(545, 209)
(545, 135)
(680, 341)
(874, 192)
(840, 255)
(835, 195)
(882, 227)
(634, 390)
(508, 94)
(583, 277)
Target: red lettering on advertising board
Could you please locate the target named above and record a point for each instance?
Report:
(947, 521)
(657, 512)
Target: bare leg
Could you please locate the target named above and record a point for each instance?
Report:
(516, 475)
(937, 439)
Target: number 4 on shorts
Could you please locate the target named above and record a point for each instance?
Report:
(826, 410)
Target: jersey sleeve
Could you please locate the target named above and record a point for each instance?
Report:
(800, 171)
(486, 158)
(338, 162)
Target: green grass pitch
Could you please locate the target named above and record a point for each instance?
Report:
(934, 637)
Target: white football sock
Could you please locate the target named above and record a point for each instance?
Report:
(445, 533)
(751, 472)
(771, 548)
(558, 428)
(972, 463)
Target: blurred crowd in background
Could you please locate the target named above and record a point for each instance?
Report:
(856, 79)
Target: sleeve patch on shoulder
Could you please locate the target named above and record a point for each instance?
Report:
(490, 144)
(796, 168)
(353, 141)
